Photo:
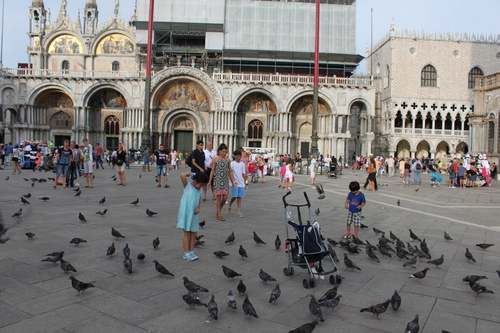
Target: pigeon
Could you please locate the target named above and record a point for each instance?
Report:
(383, 250)
(333, 253)
(242, 252)
(425, 249)
(277, 242)
(81, 217)
(241, 288)
(378, 231)
(156, 242)
(305, 328)
(398, 202)
(77, 241)
(220, 254)
(419, 275)
(24, 201)
(80, 286)
(474, 278)
(199, 241)
(192, 300)
(395, 300)
(392, 236)
(213, 309)
(414, 237)
(248, 308)
(483, 246)
(413, 326)
(141, 257)
(44, 199)
(321, 192)
(231, 300)
(468, 255)
(329, 294)
(438, 262)
(377, 309)
(116, 234)
(229, 273)
(498, 272)
(7, 178)
(411, 249)
(102, 212)
(331, 303)
(102, 201)
(127, 264)
(363, 226)
(332, 242)
(479, 289)
(27, 195)
(230, 239)
(402, 253)
(30, 235)
(78, 193)
(140, 175)
(372, 254)
(111, 250)
(275, 294)
(135, 202)
(370, 246)
(193, 287)
(54, 257)
(412, 262)
(66, 266)
(202, 224)
(162, 269)
(18, 213)
(150, 213)
(126, 251)
(349, 264)
(447, 237)
(114, 176)
(265, 277)
(417, 190)
(257, 239)
(317, 212)
(77, 189)
(26, 179)
(315, 309)
(357, 241)
(32, 184)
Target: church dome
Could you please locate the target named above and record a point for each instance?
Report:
(37, 3)
(91, 4)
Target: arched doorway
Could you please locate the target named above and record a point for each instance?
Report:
(255, 133)
(442, 151)
(403, 149)
(183, 134)
(112, 131)
(359, 124)
(60, 113)
(462, 148)
(61, 123)
(423, 149)
(305, 132)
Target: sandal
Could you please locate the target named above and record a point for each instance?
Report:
(240, 215)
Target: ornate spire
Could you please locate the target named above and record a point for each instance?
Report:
(37, 3)
(91, 4)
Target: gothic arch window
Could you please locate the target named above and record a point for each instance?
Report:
(418, 120)
(458, 122)
(399, 120)
(428, 77)
(428, 121)
(65, 65)
(476, 71)
(408, 120)
(448, 122)
(115, 66)
(255, 129)
(60, 120)
(112, 125)
(439, 121)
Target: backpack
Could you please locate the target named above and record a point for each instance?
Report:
(189, 161)
(450, 169)
(418, 166)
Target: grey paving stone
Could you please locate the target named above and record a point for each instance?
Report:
(11, 314)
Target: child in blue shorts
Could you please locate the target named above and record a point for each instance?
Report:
(354, 202)
(239, 171)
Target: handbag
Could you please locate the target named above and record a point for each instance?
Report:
(371, 170)
(119, 162)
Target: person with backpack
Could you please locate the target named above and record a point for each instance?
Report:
(452, 171)
(417, 172)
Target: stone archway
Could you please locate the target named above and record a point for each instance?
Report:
(423, 149)
(403, 149)
(462, 148)
(442, 151)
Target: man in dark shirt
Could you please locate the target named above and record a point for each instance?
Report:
(63, 158)
(160, 157)
(198, 159)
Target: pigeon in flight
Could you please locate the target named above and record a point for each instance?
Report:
(162, 269)
(474, 278)
(45, 199)
(80, 286)
(257, 239)
(81, 217)
(213, 308)
(378, 231)
(229, 273)
(77, 241)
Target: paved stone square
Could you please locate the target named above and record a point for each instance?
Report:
(36, 296)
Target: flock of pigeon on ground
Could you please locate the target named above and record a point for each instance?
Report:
(331, 298)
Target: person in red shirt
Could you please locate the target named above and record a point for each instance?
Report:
(98, 156)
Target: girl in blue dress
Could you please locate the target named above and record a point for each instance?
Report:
(188, 211)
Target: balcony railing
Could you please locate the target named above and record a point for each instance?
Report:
(59, 73)
(419, 131)
(488, 82)
(289, 79)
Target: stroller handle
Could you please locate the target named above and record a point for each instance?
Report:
(287, 204)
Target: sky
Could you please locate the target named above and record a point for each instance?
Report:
(462, 16)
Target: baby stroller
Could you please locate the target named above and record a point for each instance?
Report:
(308, 250)
(333, 171)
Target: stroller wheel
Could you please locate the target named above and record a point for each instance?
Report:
(332, 280)
(338, 278)
(305, 284)
(285, 271)
(312, 283)
(291, 271)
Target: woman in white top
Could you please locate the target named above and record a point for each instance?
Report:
(16, 167)
(289, 175)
